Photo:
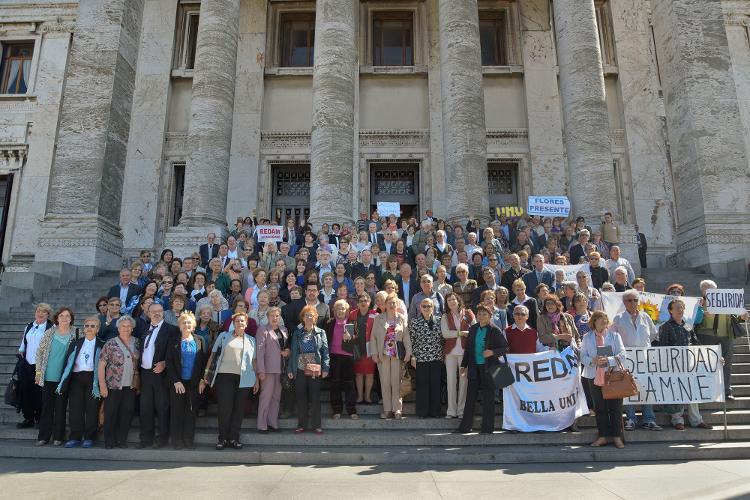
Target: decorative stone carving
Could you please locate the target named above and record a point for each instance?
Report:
(417, 139)
(57, 26)
(283, 140)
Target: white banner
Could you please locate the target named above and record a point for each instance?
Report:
(269, 233)
(654, 304)
(386, 208)
(725, 301)
(550, 206)
(547, 394)
(676, 375)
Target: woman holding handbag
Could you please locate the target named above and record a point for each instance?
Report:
(601, 339)
(427, 358)
(309, 362)
(455, 325)
(273, 353)
(231, 369)
(390, 344)
(484, 344)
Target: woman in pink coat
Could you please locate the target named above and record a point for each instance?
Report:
(273, 351)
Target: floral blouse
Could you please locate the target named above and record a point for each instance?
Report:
(114, 357)
(426, 341)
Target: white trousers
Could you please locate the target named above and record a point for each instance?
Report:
(456, 399)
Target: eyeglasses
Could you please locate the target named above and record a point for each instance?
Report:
(426, 306)
(89, 326)
(519, 314)
(630, 300)
(493, 260)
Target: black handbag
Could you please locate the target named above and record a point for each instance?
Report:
(11, 391)
(352, 347)
(502, 375)
(400, 350)
(739, 329)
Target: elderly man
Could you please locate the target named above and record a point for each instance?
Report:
(616, 261)
(427, 293)
(538, 275)
(578, 251)
(472, 246)
(514, 272)
(270, 256)
(637, 330)
(124, 290)
(419, 241)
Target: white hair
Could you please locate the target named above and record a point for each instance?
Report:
(707, 285)
(522, 308)
(631, 293)
(126, 318)
(622, 269)
(462, 267)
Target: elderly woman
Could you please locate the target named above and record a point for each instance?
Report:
(185, 360)
(621, 279)
(342, 364)
(713, 329)
(206, 327)
(50, 361)
(232, 361)
(556, 328)
(273, 352)
(118, 382)
(327, 291)
(519, 289)
(484, 344)
(80, 383)
(176, 307)
(30, 393)
(260, 313)
(427, 358)
(390, 345)
(309, 362)
(608, 411)
(455, 325)
(215, 274)
(592, 294)
(251, 294)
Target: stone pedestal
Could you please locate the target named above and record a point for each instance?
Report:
(333, 134)
(464, 130)
(81, 224)
(709, 161)
(210, 130)
(585, 116)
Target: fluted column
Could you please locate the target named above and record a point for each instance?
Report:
(333, 134)
(585, 116)
(210, 130)
(464, 130)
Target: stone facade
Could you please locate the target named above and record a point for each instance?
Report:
(650, 118)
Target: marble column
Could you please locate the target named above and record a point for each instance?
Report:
(585, 116)
(709, 160)
(81, 224)
(546, 150)
(143, 191)
(464, 130)
(210, 129)
(645, 132)
(332, 139)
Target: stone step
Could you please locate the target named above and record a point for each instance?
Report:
(377, 455)
(410, 437)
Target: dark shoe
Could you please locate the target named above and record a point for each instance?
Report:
(704, 425)
(262, 431)
(142, 445)
(177, 447)
(486, 432)
(88, 443)
(190, 446)
(26, 424)
(461, 431)
(274, 429)
(108, 446)
(652, 426)
(73, 443)
(679, 427)
(122, 446)
(221, 445)
(235, 445)
(159, 445)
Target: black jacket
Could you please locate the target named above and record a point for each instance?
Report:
(133, 290)
(360, 270)
(532, 305)
(414, 289)
(599, 275)
(494, 340)
(167, 334)
(74, 348)
(174, 361)
(206, 255)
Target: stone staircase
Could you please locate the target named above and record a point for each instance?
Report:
(372, 441)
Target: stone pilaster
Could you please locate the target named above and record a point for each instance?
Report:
(143, 190)
(81, 224)
(709, 160)
(585, 116)
(644, 127)
(210, 130)
(546, 150)
(332, 140)
(464, 130)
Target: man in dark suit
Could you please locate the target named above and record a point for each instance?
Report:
(489, 283)
(537, 276)
(408, 286)
(642, 246)
(373, 235)
(366, 266)
(208, 250)
(154, 397)
(578, 252)
(125, 290)
(514, 272)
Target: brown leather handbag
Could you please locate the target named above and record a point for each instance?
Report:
(619, 384)
(312, 370)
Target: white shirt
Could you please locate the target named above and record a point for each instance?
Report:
(85, 359)
(33, 338)
(147, 360)
(124, 295)
(638, 332)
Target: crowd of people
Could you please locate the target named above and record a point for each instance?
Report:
(378, 309)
